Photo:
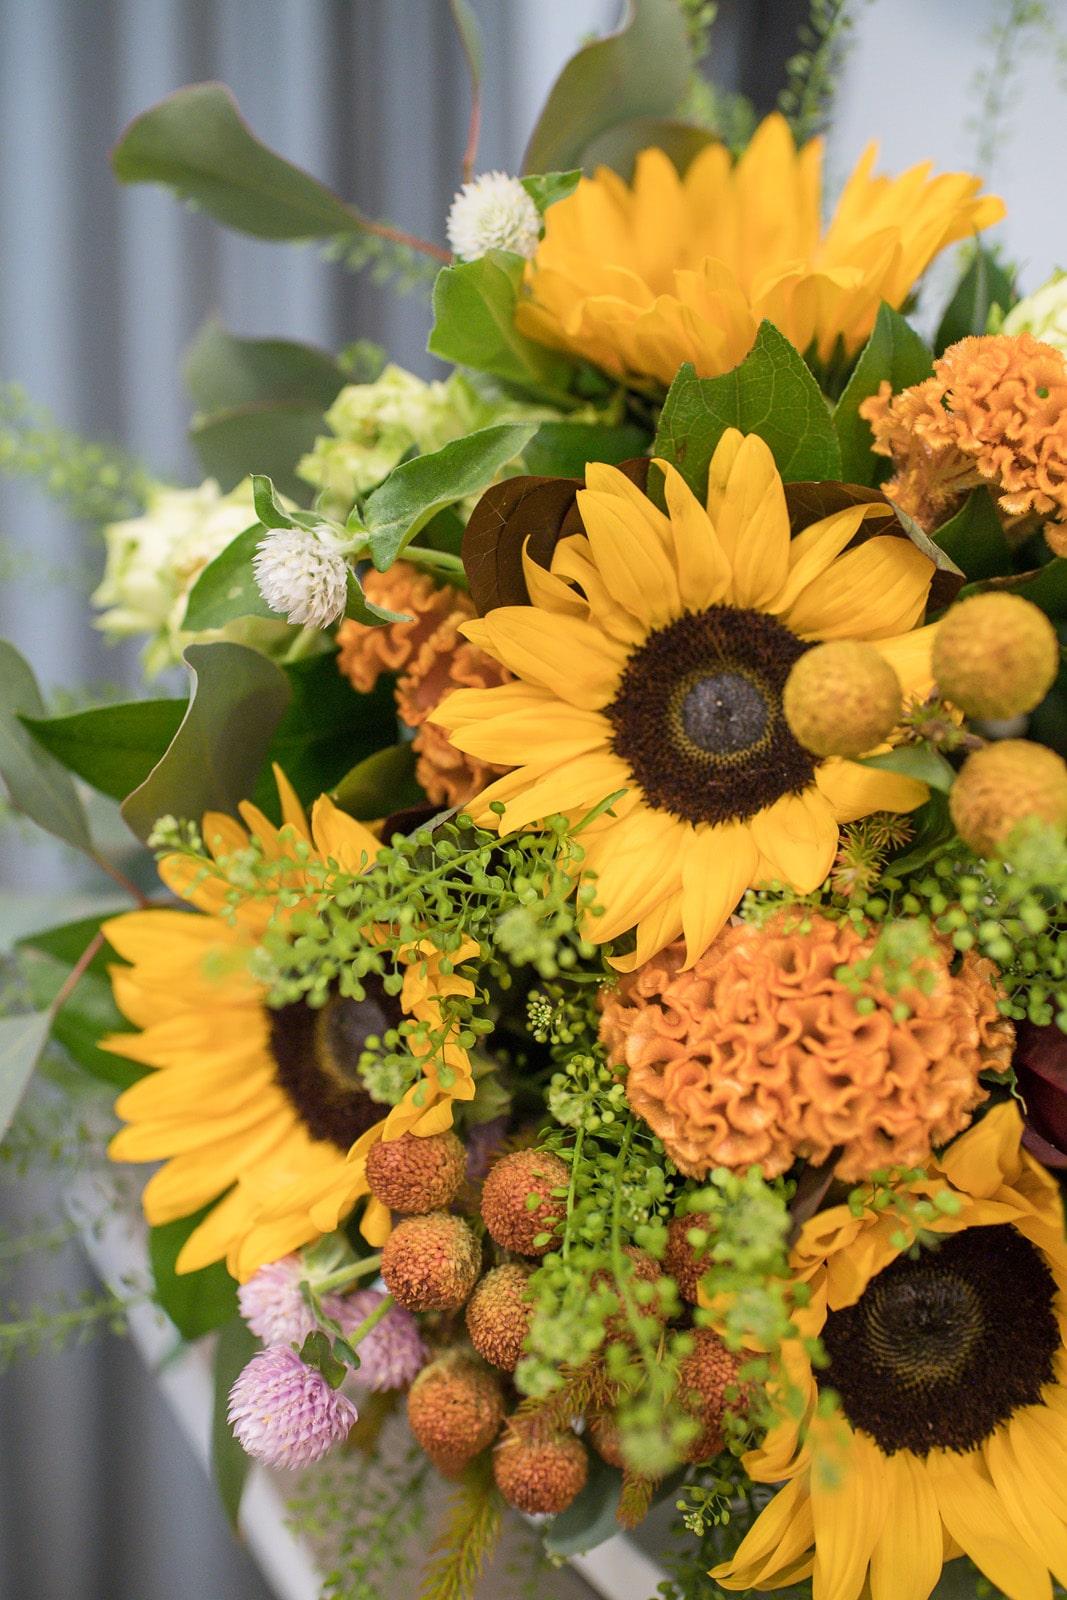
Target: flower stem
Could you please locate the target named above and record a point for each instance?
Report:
(349, 1273)
(382, 1309)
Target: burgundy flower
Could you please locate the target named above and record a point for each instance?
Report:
(1041, 1071)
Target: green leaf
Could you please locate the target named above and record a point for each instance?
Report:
(317, 1351)
(197, 143)
(22, 1039)
(933, 830)
(562, 449)
(640, 71)
(974, 538)
(894, 352)
(234, 1349)
(360, 609)
(545, 188)
(67, 941)
(415, 490)
(771, 393)
(1046, 588)
(113, 748)
(84, 1018)
(470, 37)
(222, 371)
(915, 761)
(327, 728)
(238, 699)
(474, 326)
(984, 285)
(227, 588)
(380, 784)
(262, 436)
(948, 580)
(35, 781)
(196, 1302)
(591, 1518)
(269, 512)
(618, 147)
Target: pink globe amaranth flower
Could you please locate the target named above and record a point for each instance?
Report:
(392, 1353)
(285, 1413)
(274, 1308)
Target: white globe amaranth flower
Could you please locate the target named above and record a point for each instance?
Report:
(493, 212)
(303, 573)
(1043, 313)
(154, 560)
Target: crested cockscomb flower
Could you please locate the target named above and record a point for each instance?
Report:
(285, 1413)
(493, 212)
(303, 572)
(391, 1353)
(274, 1308)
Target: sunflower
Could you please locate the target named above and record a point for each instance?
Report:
(653, 659)
(259, 1113)
(674, 269)
(951, 1371)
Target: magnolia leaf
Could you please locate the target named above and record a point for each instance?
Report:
(22, 1039)
(1046, 587)
(916, 761)
(894, 353)
(380, 785)
(771, 393)
(222, 370)
(238, 699)
(417, 489)
(474, 326)
(113, 748)
(35, 781)
(974, 538)
(640, 71)
(198, 144)
(234, 1349)
(985, 284)
(810, 502)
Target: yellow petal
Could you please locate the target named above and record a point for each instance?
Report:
(798, 835)
(580, 785)
(574, 659)
(214, 1237)
(635, 862)
(746, 504)
(717, 867)
(975, 1517)
(292, 811)
(985, 1156)
(854, 791)
(339, 837)
(849, 1517)
(222, 835)
(906, 1561)
(817, 547)
(872, 592)
(1042, 1527)
(507, 699)
(634, 566)
(656, 929)
(909, 655)
(703, 571)
(547, 737)
(778, 1538)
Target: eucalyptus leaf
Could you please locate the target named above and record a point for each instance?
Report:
(642, 70)
(380, 784)
(68, 941)
(771, 393)
(589, 1519)
(197, 143)
(234, 1349)
(417, 489)
(261, 435)
(222, 370)
(113, 748)
(84, 1018)
(22, 1039)
(985, 284)
(238, 699)
(474, 326)
(916, 761)
(326, 729)
(894, 353)
(470, 37)
(36, 783)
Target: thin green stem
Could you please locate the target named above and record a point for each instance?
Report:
(349, 1273)
(381, 1310)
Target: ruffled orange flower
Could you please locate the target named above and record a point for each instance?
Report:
(639, 279)
(994, 413)
(758, 1054)
(432, 659)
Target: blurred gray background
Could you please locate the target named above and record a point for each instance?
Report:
(101, 288)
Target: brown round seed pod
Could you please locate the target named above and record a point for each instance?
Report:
(416, 1175)
(540, 1475)
(604, 1437)
(512, 1220)
(498, 1316)
(647, 1270)
(455, 1409)
(703, 1378)
(1004, 784)
(431, 1263)
(682, 1260)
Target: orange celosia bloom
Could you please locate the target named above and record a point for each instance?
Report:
(638, 279)
(995, 413)
(759, 1055)
(432, 659)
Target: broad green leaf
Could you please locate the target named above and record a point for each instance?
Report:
(67, 941)
(618, 147)
(195, 1302)
(1048, 721)
(640, 71)
(381, 784)
(474, 326)
(974, 538)
(84, 1018)
(985, 284)
(35, 781)
(234, 1349)
(591, 1518)
(771, 393)
(915, 761)
(933, 829)
(545, 188)
(238, 699)
(896, 353)
(22, 1040)
(262, 436)
(360, 609)
(1046, 588)
(113, 748)
(198, 144)
(269, 512)
(227, 588)
(222, 371)
(415, 490)
(563, 449)
(327, 729)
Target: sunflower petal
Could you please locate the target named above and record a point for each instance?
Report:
(854, 791)
(798, 835)
(574, 659)
(636, 863)
(975, 1517)
(746, 504)
(718, 865)
(779, 1537)
(704, 573)
(339, 837)
(906, 1561)
(849, 1517)
(872, 592)
(634, 566)
(1042, 1527)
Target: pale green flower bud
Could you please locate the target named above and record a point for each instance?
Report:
(1043, 313)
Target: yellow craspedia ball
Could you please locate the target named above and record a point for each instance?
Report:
(995, 655)
(842, 699)
(1004, 784)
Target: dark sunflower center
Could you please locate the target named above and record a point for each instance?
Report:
(698, 716)
(937, 1352)
(316, 1052)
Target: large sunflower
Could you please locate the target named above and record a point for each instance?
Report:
(260, 1113)
(652, 660)
(674, 269)
(951, 1371)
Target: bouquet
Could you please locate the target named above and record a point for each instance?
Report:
(597, 1014)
